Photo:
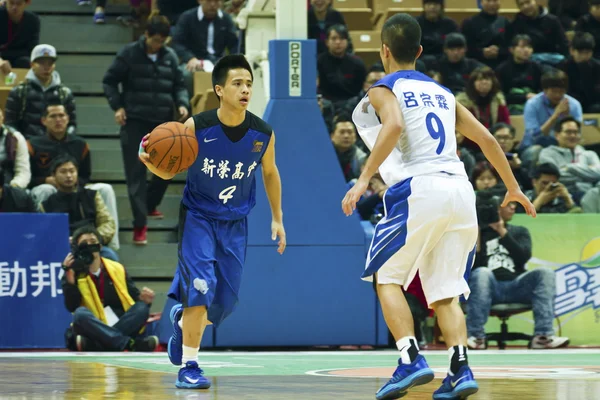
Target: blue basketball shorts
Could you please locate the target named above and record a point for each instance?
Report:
(211, 260)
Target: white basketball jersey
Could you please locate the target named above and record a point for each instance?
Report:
(428, 143)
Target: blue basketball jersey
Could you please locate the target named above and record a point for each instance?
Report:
(221, 182)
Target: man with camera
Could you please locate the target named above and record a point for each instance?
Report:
(499, 276)
(548, 194)
(109, 312)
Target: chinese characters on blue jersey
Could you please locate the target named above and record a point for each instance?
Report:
(19, 281)
(410, 100)
(223, 170)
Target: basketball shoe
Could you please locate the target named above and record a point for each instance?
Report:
(406, 376)
(175, 345)
(192, 377)
(458, 386)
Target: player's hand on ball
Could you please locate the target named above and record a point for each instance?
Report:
(353, 195)
(277, 230)
(144, 157)
(183, 112)
(518, 196)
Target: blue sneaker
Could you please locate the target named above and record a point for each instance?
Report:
(406, 376)
(192, 377)
(459, 386)
(175, 345)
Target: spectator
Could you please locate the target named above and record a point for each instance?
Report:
(152, 87)
(499, 276)
(465, 155)
(14, 157)
(173, 9)
(19, 34)
(486, 34)
(434, 28)
(327, 111)
(42, 86)
(233, 7)
(547, 35)
(590, 23)
(375, 74)
(84, 206)
(370, 206)
(201, 37)
(109, 311)
(568, 11)
(544, 109)
(548, 195)
(139, 10)
(343, 137)
(453, 66)
(321, 17)
(583, 72)
(13, 199)
(519, 76)
(486, 178)
(505, 135)
(341, 75)
(44, 149)
(579, 168)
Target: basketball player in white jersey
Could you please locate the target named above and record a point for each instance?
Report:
(430, 223)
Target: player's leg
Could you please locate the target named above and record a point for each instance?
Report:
(194, 287)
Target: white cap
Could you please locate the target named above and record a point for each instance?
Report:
(43, 51)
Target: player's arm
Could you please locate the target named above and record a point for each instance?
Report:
(386, 106)
(145, 157)
(272, 182)
(471, 128)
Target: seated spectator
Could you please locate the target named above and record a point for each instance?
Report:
(13, 199)
(579, 168)
(19, 34)
(201, 37)
(42, 86)
(343, 137)
(14, 157)
(568, 11)
(505, 135)
(486, 34)
(140, 105)
(327, 110)
(550, 44)
(434, 28)
(375, 74)
(544, 109)
(465, 155)
(233, 7)
(486, 178)
(44, 149)
(590, 23)
(499, 276)
(321, 17)
(109, 311)
(583, 72)
(549, 196)
(84, 206)
(340, 75)
(370, 206)
(519, 77)
(172, 9)
(453, 66)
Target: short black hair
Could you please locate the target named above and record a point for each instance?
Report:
(521, 38)
(340, 29)
(455, 40)
(555, 79)
(158, 25)
(226, 64)
(502, 125)
(62, 160)
(84, 230)
(564, 120)
(545, 169)
(45, 111)
(583, 41)
(402, 34)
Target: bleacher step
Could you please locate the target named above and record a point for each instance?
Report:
(95, 117)
(169, 206)
(71, 7)
(167, 224)
(84, 73)
(150, 261)
(126, 237)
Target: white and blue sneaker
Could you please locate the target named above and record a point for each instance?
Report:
(406, 376)
(192, 377)
(175, 345)
(460, 386)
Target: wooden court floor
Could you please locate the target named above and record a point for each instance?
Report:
(511, 374)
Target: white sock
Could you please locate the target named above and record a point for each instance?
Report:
(189, 354)
(461, 357)
(409, 349)
(180, 322)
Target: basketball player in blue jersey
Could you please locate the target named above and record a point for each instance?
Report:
(430, 223)
(218, 195)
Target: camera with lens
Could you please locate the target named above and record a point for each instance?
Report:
(84, 256)
(487, 205)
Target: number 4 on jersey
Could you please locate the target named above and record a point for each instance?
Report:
(227, 194)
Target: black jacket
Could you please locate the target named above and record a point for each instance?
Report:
(517, 79)
(484, 30)
(588, 23)
(80, 205)
(584, 81)
(16, 200)
(506, 256)
(17, 40)
(545, 31)
(454, 75)
(333, 17)
(340, 78)
(191, 36)
(151, 90)
(433, 34)
(173, 9)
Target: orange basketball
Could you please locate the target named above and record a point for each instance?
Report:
(172, 147)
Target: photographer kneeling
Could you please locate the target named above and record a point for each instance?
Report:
(109, 312)
(499, 276)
